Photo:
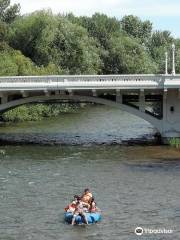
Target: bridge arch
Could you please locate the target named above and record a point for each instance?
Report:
(77, 98)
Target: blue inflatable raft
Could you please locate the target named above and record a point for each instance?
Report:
(91, 217)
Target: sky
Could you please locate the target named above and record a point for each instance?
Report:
(164, 14)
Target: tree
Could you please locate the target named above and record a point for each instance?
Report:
(46, 38)
(76, 52)
(101, 27)
(127, 56)
(160, 43)
(13, 63)
(161, 38)
(136, 28)
(177, 44)
(8, 13)
(3, 31)
(8, 65)
(33, 35)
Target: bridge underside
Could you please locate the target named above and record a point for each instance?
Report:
(149, 102)
(155, 106)
(146, 105)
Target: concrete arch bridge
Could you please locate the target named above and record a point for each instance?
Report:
(154, 98)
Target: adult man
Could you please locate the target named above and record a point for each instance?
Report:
(86, 196)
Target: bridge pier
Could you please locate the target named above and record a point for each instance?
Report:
(118, 96)
(171, 115)
(4, 98)
(142, 100)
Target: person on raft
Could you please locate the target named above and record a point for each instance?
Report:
(92, 207)
(71, 207)
(86, 196)
(79, 210)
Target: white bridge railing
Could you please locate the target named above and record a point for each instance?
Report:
(87, 78)
(89, 82)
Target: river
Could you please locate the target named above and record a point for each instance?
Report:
(134, 185)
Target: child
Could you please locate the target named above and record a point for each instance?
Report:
(79, 210)
(71, 207)
(92, 207)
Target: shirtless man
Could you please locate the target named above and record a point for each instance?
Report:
(86, 196)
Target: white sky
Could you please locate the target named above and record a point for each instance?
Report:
(165, 14)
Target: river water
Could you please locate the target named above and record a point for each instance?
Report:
(133, 185)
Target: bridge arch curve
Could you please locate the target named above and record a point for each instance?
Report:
(35, 99)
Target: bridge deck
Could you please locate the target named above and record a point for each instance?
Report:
(74, 82)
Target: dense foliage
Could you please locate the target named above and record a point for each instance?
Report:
(36, 112)
(44, 43)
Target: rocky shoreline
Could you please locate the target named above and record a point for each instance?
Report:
(66, 139)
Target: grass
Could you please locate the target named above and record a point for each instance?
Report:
(175, 142)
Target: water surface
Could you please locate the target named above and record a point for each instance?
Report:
(91, 125)
(133, 185)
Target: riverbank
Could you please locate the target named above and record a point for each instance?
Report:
(66, 139)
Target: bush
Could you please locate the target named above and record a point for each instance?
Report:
(36, 112)
(175, 142)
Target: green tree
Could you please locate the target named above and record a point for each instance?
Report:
(46, 39)
(127, 56)
(160, 43)
(76, 52)
(177, 44)
(7, 15)
(101, 27)
(15, 64)
(8, 66)
(161, 38)
(33, 35)
(137, 28)
(3, 31)
(7, 12)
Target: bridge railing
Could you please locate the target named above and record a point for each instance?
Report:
(143, 81)
(83, 78)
